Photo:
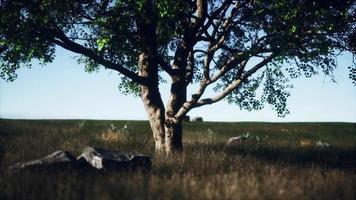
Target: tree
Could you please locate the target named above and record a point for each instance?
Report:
(245, 50)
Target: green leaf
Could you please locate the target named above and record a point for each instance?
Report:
(331, 27)
(293, 29)
(102, 42)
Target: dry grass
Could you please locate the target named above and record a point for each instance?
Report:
(306, 142)
(112, 136)
(285, 165)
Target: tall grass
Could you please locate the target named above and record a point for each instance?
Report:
(285, 164)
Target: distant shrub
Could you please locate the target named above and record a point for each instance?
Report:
(197, 119)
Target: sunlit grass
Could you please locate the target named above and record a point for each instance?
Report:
(284, 164)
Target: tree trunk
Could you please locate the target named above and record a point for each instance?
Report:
(167, 135)
(173, 126)
(178, 96)
(155, 111)
(148, 66)
(167, 130)
(152, 100)
(173, 133)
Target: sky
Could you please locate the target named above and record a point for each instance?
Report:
(63, 90)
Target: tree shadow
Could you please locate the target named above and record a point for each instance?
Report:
(327, 158)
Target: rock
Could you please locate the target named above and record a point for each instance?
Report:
(243, 139)
(235, 140)
(58, 160)
(186, 118)
(322, 145)
(91, 160)
(113, 160)
(197, 119)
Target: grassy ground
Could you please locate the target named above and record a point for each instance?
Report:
(285, 164)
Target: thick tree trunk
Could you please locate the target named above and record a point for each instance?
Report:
(152, 100)
(173, 126)
(173, 133)
(167, 131)
(178, 96)
(148, 66)
(155, 111)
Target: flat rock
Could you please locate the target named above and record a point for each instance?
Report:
(58, 160)
(114, 160)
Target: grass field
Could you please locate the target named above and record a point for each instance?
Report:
(285, 164)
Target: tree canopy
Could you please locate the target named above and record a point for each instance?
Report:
(223, 43)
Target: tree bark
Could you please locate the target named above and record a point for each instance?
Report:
(152, 100)
(148, 68)
(166, 129)
(178, 96)
(155, 111)
(173, 125)
(156, 119)
(173, 139)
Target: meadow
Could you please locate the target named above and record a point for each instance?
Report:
(281, 161)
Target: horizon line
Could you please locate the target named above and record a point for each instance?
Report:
(81, 119)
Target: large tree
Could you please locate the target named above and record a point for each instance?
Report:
(245, 50)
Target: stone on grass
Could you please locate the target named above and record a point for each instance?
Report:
(58, 160)
(113, 160)
(322, 145)
(243, 139)
(235, 141)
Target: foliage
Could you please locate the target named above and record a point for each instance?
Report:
(352, 75)
(220, 37)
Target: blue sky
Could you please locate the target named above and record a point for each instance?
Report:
(63, 90)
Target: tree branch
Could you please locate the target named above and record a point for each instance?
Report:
(187, 106)
(68, 44)
(202, 8)
(226, 27)
(190, 68)
(207, 61)
(232, 86)
(259, 65)
(235, 84)
(226, 67)
(213, 15)
(165, 66)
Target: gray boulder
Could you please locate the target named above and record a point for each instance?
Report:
(113, 160)
(243, 138)
(235, 140)
(197, 119)
(58, 160)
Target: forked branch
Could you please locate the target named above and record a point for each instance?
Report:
(241, 77)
